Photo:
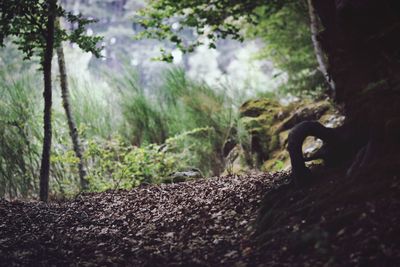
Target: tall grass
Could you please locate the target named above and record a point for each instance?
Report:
(21, 107)
(20, 125)
(181, 124)
(194, 104)
(95, 107)
(179, 106)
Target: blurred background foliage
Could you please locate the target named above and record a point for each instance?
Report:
(286, 34)
(141, 122)
(130, 137)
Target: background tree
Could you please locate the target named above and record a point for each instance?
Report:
(319, 54)
(73, 131)
(287, 37)
(32, 23)
(47, 94)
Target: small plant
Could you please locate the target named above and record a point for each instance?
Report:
(113, 164)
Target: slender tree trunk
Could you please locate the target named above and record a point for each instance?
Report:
(317, 46)
(67, 107)
(47, 95)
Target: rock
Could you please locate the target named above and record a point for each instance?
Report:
(182, 176)
(332, 120)
(267, 124)
(258, 107)
(309, 112)
(237, 161)
(257, 118)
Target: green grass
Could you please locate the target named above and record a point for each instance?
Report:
(182, 124)
(20, 124)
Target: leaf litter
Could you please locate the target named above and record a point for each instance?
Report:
(206, 222)
(256, 219)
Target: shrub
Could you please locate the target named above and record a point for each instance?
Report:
(114, 164)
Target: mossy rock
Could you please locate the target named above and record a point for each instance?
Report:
(258, 118)
(279, 160)
(268, 124)
(283, 138)
(256, 125)
(258, 107)
(184, 175)
(237, 161)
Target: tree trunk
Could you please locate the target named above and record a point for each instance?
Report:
(71, 122)
(319, 54)
(47, 95)
(361, 41)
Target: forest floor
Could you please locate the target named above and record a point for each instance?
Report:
(212, 222)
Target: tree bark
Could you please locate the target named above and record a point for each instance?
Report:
(47, 95)
(319, 54)
(73, 132)
(361, 41)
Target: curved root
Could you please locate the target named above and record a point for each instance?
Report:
(295, 142)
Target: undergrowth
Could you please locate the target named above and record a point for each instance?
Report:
(130, 134)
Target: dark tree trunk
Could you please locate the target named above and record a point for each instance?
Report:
(71, 122)
(361, 41)
(47, 95)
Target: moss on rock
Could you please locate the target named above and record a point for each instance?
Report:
(255, 108)
(267, 124)
(258, 118)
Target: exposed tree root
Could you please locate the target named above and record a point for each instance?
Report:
(298, 134)
(342, 146)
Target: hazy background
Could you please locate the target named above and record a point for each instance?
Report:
(232, 63)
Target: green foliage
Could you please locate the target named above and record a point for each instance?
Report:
(20, 134)
(27, 21)
(143, 119)
(180, 107)
(114, 164)
(196, 148)
(210, 20)
(182, 124)
(33, 28)
(287, 38)
(95, 113)
(191, 105)
(282, 25)
(197, 120)
(278, 165)
(64, 169)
